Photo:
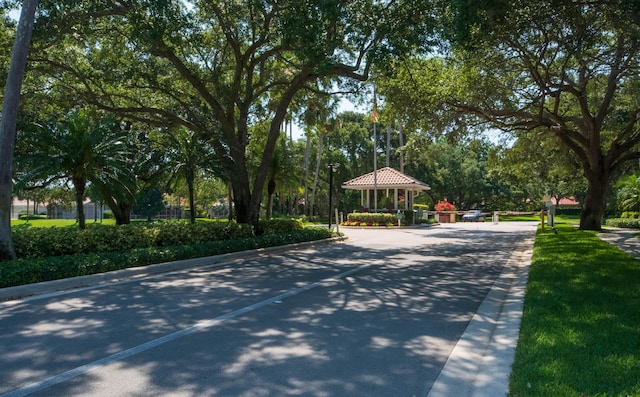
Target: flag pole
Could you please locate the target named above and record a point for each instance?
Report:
(374, 117)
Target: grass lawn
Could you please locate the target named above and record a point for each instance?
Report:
(580, 331)
(519, 218)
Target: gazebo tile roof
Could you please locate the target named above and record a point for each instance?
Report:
(386, 177)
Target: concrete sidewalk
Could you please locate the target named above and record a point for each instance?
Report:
(624, 239)
(480, 363)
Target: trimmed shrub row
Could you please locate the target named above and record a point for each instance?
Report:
(630, 215)
(26, 271)
(628, 223)
(277, 226)
(376, 218)
(58, 241)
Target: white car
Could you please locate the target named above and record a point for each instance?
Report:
(473, 216)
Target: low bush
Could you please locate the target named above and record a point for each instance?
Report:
(378, 218)
(26, 271)
(277, 226)
(25, 216)
(572, 211)
(628, 223)
(370, 218)
(58, 241)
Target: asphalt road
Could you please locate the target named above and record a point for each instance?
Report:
(375, 315)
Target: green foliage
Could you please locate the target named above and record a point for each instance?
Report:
(82, 147)
(569, 211)
(537, 68)
(57, 241)
(580, 331)
(628, 193)
(278, 226)
(218, 70)
(630, 215)
(25, 271)
(371, 219)
(23, 216)
(148, 203)
(629, 223)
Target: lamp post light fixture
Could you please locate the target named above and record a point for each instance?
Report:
(333, 167)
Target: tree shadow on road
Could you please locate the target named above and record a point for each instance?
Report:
(384, 330)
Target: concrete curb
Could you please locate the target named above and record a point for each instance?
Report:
(134, 273)
(480, 363)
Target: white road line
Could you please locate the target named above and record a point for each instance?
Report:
(201, 325)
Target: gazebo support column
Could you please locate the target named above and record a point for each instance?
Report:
(395, 199)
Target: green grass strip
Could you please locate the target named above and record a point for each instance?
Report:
(580, 331)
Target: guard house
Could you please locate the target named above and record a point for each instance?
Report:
(392, 186)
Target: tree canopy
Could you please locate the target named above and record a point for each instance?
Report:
(565, 68)
(217, 68)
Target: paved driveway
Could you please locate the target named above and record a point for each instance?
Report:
(376, 315)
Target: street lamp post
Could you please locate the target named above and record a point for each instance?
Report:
(332, 168)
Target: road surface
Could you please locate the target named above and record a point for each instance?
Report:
(375, 315)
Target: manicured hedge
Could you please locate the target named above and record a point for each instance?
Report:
(277, 226)
(58, 241)
(628, 223)
(568, 211)
(377, 218)
(26, 271)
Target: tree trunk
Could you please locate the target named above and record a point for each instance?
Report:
(10, 107)
(271, 189)
(315, 178)
(594, 203)
(192, 203)
(306, 173)
(241, 199)
(121, 211)
(231, 206)
(122, 214)
(79, 186)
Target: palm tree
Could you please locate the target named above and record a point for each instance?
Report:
(185, 157)
(332, 124)
(274, 170)
(82, 148)
(318, 111)
(628, 194)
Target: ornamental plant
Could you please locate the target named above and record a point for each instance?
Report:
(444, 206)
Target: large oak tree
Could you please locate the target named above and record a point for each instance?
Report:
(217, 68)
(566, 68)
(572, 69)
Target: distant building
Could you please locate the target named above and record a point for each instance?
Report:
(566, 202)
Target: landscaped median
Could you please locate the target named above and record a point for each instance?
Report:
(580, 331)
(57, 253)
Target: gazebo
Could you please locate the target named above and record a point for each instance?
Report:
(386, 180)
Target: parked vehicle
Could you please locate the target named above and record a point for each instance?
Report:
(473, 216)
